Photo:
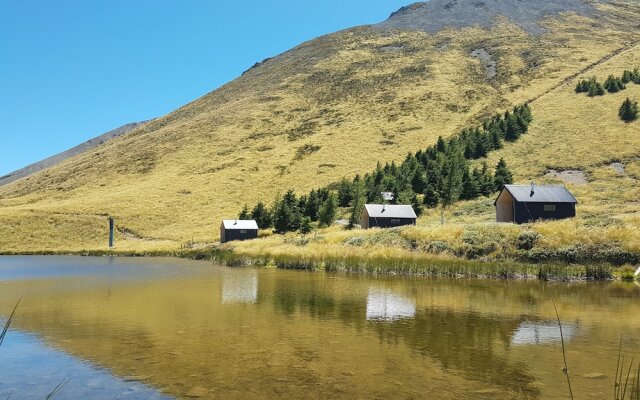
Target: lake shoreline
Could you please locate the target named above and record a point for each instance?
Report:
(416, 265)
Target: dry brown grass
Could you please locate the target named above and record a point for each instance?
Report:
(357, 100)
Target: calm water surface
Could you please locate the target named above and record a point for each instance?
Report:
(167, 328)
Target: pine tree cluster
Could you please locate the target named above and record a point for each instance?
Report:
(590, 86)
(290, 213)
(631, 76)
(437, 176)
(612, 84)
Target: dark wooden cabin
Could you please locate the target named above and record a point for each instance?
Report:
(387, 216)
(526, 203)
(238, 230)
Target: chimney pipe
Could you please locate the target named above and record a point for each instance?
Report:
(533, 189)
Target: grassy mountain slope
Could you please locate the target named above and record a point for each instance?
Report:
(570, 132)
(60, 157)
(333, 107)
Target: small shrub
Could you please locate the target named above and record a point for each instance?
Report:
(568, 254)
(471, 237)
(598, 272)
(473, 252)
(306, 150)
(356, 241)
(627, 273)
(541, 255)
(437, 247)
(618, 256)
(527, 240)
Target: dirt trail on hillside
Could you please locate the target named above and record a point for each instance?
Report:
(588, 68)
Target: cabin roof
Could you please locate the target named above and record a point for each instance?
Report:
(390, 211)
(239, 224)
(541, 194)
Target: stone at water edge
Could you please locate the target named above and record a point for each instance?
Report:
(637, 272)
(594, 375)
(196, 392)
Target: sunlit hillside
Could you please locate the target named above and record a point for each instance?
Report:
(334, 107)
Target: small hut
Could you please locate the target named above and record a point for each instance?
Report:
(387, 216)
(238, 230)
(523, 203)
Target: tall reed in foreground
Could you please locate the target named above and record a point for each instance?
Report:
(631, 382)
(633, 387)
(8, 323)
(565, 370)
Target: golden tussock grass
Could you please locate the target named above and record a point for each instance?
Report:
(356, 97)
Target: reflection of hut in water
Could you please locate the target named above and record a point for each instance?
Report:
(542, 332)
(384, 305)
(239, 287)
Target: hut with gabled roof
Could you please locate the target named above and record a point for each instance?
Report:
(238, 230)
(527, 203)
(387, 216)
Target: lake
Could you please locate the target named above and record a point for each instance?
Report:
(160, 328)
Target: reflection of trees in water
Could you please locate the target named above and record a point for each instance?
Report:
(312, 298)
(469, 343)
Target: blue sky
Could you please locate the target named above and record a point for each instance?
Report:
(73, 69)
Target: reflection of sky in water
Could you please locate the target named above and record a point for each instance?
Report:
(384, 305)
(31, 370)
(13, 268)
(542, 332)
(240, 287)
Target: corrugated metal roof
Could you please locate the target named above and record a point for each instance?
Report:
(541, 194)
(239, 224)
(390, 211)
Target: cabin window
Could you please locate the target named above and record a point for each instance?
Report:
(243, 231)
(395, 221)
(549, 208)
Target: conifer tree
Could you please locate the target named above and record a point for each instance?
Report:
(345, 193)
(417, 205)
(261, 215)
(451, 186)
(430, 196)
(629, 110)
(305, 225)
(480, 178)
(595, 88)
(419, 180)
(358, 204)
(496, 138)
(470, 187)
(513, 130)
(502, 175)
(244, 214)
(282, 216)
(312, 206)
(328, 211)
(287, 217)
(636, 76)
(441, 147)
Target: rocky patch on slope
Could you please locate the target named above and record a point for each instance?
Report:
(436, 15)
